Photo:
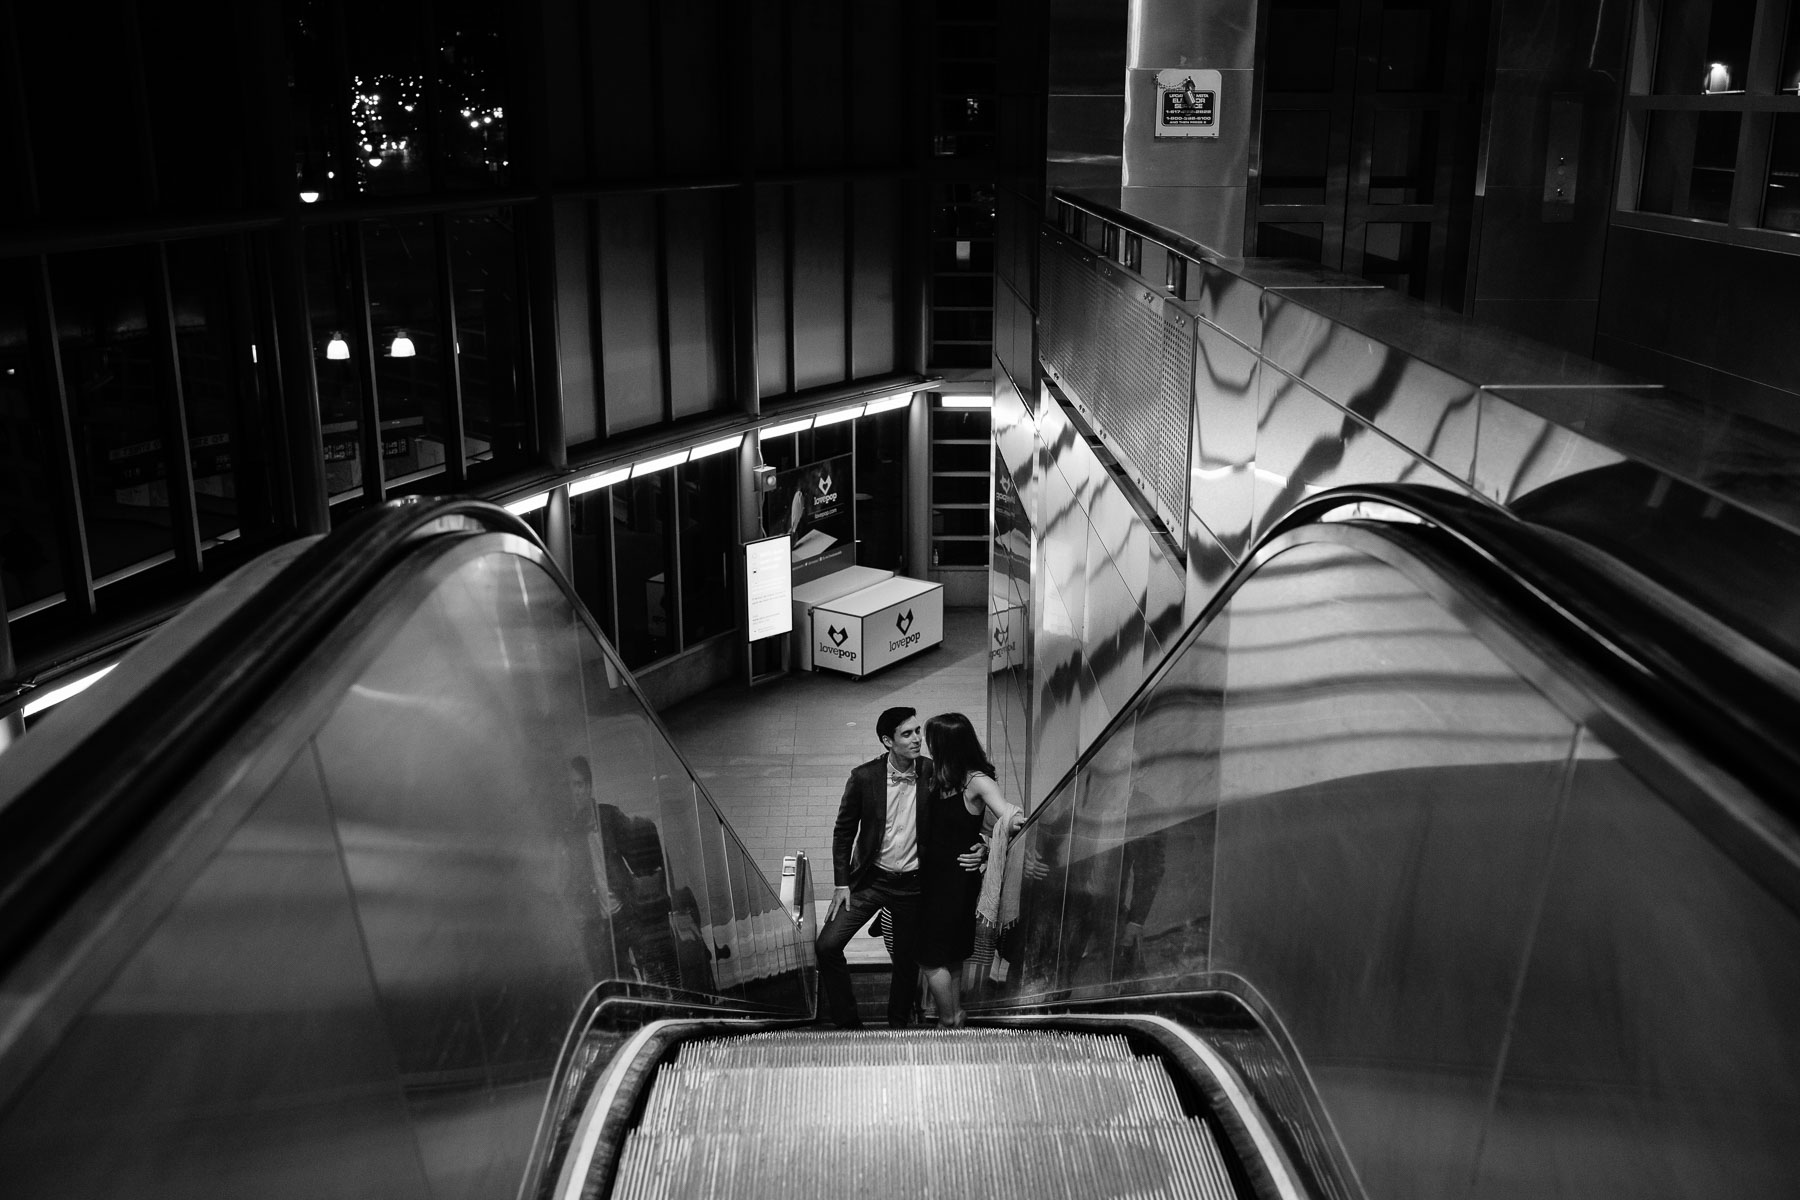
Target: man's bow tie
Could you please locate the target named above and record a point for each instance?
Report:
(911, 776)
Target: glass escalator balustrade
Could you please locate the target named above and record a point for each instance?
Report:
(1499, 950)
(357, 967)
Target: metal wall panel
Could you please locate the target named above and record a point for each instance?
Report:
(771, 291)
(699, 321)
(876, 278)
(630, 327)
(818, 284)
(1307, 444)
(1223, 454)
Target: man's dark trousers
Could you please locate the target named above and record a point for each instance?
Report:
(899, 894)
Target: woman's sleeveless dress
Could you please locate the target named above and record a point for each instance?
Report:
(947, 893)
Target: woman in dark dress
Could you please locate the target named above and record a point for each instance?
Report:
(963, 793)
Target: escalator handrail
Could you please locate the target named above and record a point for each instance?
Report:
(1733, 699)
(67, 823)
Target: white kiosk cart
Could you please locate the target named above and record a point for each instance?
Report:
(877, 626)
(823, 590)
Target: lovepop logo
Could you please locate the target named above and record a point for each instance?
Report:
(826, 495)
(1002, 641)
(903, 622)
(836, 649)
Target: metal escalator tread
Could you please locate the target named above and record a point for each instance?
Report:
(1001, 1114)
(877, 1047)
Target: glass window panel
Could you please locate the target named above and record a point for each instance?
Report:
(1697, 34)
(1403, 157)
(409, 370)
(949, 456)
(708, 523)
(960, 424)
(1302, 42)
(1411, 55)
(30, 563)
(333, 345)
(881, 449)
(197, 75)
(1295, 152)
(959, 489)
(1790, 55)
(1396, 254)
(113, 406)
(590, 525)
(490, 346)
(77, 64)
(318, 109)
(646, 597)
(1304, 241)
(388, 130)
(1781, 198)
(226, 433)
(476, 97)
(1690, 160)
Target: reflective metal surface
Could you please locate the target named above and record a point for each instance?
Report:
(364, 988)
(1423, 407)
(1459, 885)
(1306, 444)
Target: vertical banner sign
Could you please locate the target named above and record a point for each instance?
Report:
(811, 504)
(1187, 104)
(769, 578)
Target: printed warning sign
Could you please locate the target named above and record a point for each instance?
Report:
(1187, 104)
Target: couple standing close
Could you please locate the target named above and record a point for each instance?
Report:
(908, 839)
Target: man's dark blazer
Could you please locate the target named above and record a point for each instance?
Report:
(862, 820)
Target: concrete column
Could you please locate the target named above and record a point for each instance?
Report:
(1195, 185)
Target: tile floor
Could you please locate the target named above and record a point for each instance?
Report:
(775, 757)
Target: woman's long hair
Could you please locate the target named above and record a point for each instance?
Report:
(955, 751)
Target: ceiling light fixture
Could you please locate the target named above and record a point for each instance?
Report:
(651, 465)
(782, 430)
(402, 346)
(705, 449)
(889, 404)
(598, 480)
(337, 349)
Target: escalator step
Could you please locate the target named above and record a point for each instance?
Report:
(912, 1095)
(1174, 1159)
(886, 1047)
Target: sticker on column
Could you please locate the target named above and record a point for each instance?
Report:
(1187, 104)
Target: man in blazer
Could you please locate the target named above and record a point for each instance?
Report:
(875, 863)
(881, 825)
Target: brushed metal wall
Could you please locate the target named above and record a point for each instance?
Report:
(1304, 380)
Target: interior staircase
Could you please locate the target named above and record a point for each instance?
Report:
(916, 1114)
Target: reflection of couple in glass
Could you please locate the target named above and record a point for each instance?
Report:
(908, 839)
(629, 929)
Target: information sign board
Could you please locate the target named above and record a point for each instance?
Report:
(769, 590)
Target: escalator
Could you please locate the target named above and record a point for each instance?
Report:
(1441, 855)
